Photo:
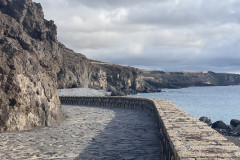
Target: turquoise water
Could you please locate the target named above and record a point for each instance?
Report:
(218, 103)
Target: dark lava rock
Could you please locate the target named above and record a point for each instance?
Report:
(29, 62)
(220, 125)
(235, 122)
(206, 120)
(226, 130)
(237, 129)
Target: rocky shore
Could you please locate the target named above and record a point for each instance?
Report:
(231, 132)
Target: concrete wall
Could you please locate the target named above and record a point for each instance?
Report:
(181, 135)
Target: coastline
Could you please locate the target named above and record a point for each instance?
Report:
(216, 102)
(94, 93)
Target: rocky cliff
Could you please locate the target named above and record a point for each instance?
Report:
(118, 79)
(179, 79)
(33, 64)
(75, 69)
(29, 63)
(78, 71)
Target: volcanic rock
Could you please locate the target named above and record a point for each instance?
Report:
(206, 120)
(237, 129)
(75, 69)
(235, 122)
(219, 125)
(29, 62)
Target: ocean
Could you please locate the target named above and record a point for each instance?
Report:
(217, 103)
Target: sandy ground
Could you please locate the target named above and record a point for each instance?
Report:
(85, 92)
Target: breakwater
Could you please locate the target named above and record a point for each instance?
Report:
(181, 135)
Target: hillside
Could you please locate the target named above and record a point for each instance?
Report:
(180, 79)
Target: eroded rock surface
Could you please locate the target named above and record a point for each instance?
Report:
(78, 71)
(74, 69)
(120, 80)
(29, 62)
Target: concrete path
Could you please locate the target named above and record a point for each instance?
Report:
(88, 133)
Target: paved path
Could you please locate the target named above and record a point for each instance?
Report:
(88, 133)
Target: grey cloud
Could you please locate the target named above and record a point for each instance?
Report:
(184, 13)
(167, 34)
(112, 3)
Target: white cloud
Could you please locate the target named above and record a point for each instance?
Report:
(166, 33)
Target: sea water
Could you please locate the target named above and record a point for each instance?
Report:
(218, 102)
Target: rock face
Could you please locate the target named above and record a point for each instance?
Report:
(78, 71)
(75, 69)
(160, 79)
(119, 80)
(29, 62)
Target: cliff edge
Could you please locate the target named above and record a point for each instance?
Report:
(78, 71)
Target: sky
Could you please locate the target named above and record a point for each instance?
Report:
(152, 34)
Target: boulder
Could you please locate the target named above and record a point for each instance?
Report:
(235, 122)
(237, 129)
(206, 120)
(29, 62)
(219, 125)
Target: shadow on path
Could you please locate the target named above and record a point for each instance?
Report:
(88, 133)
(131, 134)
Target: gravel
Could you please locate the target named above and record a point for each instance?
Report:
(83, 92)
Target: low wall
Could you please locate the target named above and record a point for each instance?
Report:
(181, 135)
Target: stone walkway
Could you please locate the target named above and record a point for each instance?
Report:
(88, 133)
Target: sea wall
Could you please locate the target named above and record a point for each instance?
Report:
(181, 135)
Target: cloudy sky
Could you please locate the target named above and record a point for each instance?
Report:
(152, 34)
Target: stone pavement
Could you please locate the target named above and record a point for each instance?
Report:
(88, 133)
